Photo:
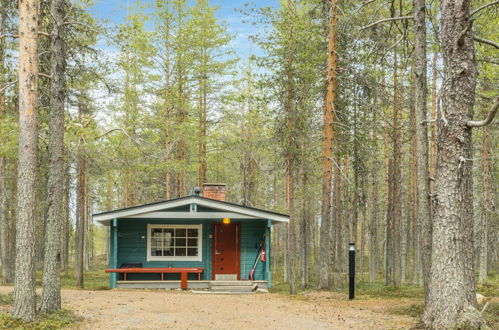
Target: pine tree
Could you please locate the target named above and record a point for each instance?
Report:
(24, 281)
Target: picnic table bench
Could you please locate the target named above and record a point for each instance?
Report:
(156, 270)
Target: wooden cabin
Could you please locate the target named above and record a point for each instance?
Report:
(197, 241)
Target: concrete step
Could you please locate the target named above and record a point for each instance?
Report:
(231, 288)
(221, 292)
(225, 277)
(231, 283)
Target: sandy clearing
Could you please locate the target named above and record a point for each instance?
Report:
(159, 309)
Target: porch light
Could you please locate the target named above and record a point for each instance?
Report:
(226, 221)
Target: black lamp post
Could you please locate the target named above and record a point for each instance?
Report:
(351, 271)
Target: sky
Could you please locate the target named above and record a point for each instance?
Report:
(114, 11)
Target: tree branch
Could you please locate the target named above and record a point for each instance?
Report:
(474, 12)
(462, 35)
(82, 24)
(43, 33)
(486, 121)
(485, 41)
(44, 75)
(7, 85)
(8, 36)
(387, 20)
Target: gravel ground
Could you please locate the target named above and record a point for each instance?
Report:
(159, 309)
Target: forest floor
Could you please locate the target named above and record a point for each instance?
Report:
(158, 309)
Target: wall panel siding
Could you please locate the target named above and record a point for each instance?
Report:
(251, 236)
(132, 247)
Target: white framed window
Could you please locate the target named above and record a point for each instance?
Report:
(174, 242)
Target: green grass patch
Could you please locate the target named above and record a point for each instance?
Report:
(46, 321)
(92, 280)
(380, 290)
(491, 315)
(7, 299)
(280, 287)
(490, 288)
(414, 310)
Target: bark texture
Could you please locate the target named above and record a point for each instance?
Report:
(51, 294)
(24, 281)
(290, 154)
(451, 301)
(6, 237)
(486, 207)
(80, 213)
(422, 177)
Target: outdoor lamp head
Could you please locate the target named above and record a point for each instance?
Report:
(352, 246)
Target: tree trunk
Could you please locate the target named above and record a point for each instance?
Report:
(416, 243)
(80, 218)
(202, 126)
(51, 294)
(390, 278)
(373, 228)
(422, 177)
(327, 153)
(6, 239)
(290, 153)
(433, 141)
(451, 301)
(24, 281)
(305, 227)
(336, 244)
(67, 221)
(486, 207)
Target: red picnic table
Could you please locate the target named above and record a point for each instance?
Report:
(156, 270)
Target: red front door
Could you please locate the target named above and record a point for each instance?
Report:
(226, 251)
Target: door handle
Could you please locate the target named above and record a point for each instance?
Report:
(216, 252)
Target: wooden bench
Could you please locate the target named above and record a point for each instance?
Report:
(182, 271)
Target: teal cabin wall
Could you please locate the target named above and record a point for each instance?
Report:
(251, 236)
(131, 247)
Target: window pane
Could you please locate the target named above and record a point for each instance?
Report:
(156, 233)
(180, 252)
(167, 243)
(192, 232)
(168, 252)
(180, 232)
(156, 252)
(180, 242)
(174, 242)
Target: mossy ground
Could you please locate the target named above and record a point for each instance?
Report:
(44, 321)
(96, 279)
(377, 290)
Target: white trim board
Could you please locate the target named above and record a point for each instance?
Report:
(158, 211)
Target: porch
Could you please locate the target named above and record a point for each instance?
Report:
(212, 285)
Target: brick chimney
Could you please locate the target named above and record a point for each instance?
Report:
(215, 191)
